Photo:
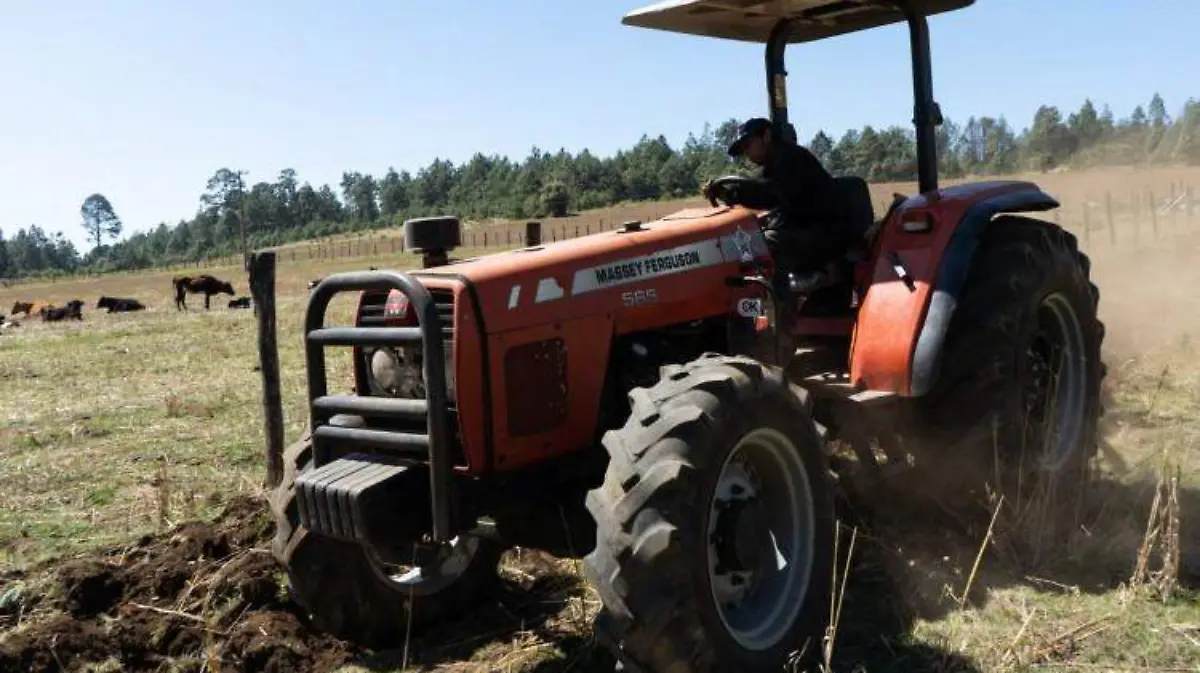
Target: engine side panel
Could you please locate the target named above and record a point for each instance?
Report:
(893, 317)
(548, 378)
(547, 382)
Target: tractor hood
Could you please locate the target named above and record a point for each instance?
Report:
(561, 280)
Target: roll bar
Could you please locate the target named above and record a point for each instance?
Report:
(927, 115)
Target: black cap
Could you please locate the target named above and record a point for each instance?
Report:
(749, 129)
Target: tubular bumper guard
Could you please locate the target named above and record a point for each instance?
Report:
(323, 407)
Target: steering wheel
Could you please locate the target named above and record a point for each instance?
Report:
(733, 190)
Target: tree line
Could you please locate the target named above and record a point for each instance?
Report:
(548, 184)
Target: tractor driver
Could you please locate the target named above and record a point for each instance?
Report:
(812, 230)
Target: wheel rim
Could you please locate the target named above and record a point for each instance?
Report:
(1057, 400)
(429, 576)
(760, 539)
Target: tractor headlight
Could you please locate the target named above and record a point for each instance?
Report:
(397, 372)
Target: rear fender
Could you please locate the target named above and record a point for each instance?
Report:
(901, 327)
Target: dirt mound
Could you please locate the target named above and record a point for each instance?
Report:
(202, 594)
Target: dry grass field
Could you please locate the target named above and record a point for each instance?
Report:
(131, 459)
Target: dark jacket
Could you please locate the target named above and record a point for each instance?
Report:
(812, 196)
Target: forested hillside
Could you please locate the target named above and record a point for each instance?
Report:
(551, 184)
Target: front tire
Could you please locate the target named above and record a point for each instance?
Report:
(715, 523)
(348, 593)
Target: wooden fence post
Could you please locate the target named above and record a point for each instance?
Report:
(1112, 226)
(262, 289)
(1154, 214)
(1135, 209)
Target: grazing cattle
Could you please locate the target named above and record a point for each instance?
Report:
(206, 284)
(73, 309)
(240, 302)
(119, 305)
(31, 308)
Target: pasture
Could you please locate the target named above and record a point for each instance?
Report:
(127, 425)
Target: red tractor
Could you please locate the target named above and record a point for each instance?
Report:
(662, 399)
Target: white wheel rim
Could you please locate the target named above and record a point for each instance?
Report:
(760, 609)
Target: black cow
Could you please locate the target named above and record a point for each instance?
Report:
(240, 302)
(199, 284)
(73, 309)
(119, 305)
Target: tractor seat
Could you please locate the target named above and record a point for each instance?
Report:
(857, 197)
(828, 292)
(860, 215)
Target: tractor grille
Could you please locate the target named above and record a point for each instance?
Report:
(355, 429)
(371, 314)
(444, 300)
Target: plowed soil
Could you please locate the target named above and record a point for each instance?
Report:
(208, 596)
(203, 593)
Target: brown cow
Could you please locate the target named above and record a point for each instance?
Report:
(206, 284)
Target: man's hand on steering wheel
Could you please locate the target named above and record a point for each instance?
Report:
(735, 189)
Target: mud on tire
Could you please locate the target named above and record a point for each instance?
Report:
(1028, 297)
(343, 591)
(667, 547)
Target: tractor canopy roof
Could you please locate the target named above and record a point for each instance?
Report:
(752, 20)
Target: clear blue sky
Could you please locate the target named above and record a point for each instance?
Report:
(142, 101)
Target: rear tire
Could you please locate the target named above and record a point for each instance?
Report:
(344, 591)
(1026, 321)
(686, 530)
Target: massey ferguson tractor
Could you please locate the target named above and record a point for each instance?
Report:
(666, 401)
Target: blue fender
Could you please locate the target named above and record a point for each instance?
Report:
(952, 274)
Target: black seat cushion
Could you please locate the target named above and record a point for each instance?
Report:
(856, 196)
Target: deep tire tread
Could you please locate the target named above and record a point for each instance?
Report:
(645, 509)
(1017, 261)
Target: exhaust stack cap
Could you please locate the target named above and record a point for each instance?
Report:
(433, 237)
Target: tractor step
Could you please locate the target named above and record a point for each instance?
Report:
(339, 499)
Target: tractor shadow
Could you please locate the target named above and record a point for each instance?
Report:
(876, 621)
(534, 622)
(914, 556)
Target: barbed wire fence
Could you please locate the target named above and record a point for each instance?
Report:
(1104, 218)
